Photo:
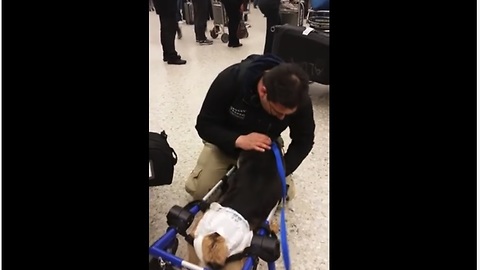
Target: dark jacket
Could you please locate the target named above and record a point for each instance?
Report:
(269, 5)
(232, 108)
(165, 7)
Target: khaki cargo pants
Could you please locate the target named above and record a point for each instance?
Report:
(212, 165)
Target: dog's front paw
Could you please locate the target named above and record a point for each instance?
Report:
(274, 227)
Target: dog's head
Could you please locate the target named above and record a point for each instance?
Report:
(254, 160)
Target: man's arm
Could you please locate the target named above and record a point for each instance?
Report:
(302, 128)
(214, 113)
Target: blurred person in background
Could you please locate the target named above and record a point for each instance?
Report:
(271, 10)
(166, 11)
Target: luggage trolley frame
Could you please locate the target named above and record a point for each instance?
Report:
(179, 220)
(246, 10)
(293, 16)
(220, 21)
(319, 18)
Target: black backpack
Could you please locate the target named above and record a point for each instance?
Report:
(162, 159)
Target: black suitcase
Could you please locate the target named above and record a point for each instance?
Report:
(305, 46)
(188, 12)
(162, 159)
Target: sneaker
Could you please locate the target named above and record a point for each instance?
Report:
(205, 42)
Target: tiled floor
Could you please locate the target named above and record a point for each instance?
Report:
(176, 94)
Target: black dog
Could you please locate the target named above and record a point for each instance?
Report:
(253, 191)
(255, 188)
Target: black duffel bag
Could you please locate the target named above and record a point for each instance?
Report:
(162, 159)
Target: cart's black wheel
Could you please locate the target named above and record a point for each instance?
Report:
(213, 33)
(224, 37)
(255, 263)
(245, 17)
(172, 248)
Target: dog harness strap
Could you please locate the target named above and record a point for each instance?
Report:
(189, 238)
(204, 206)
(239, 256)
(283, 226)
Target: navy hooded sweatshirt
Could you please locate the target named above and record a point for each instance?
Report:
(232, 108)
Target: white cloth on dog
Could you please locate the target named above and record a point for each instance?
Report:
(226, 222)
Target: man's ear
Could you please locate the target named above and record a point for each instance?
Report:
(262, 92)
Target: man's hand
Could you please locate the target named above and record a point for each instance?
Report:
(254, 141)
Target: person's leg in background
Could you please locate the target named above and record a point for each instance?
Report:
(306, 5)
(169, 27)
(232, 8)
(166, 10)
(179, 31)
(212, 165)
(183, 9)
(273, 18)
(179, 18)
(150, 6)
(178, 15)
(200, 16)
(210, 10)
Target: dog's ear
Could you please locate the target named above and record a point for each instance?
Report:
(215, 250)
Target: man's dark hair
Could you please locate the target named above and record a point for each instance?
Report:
(286, 84)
